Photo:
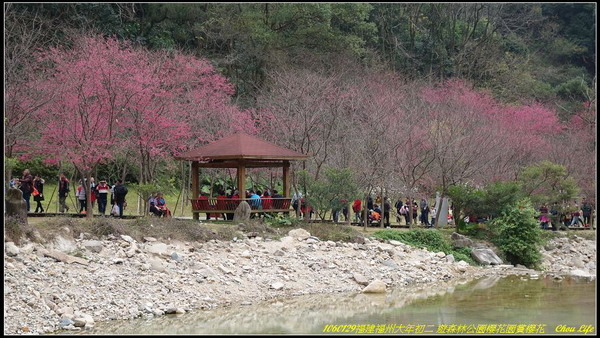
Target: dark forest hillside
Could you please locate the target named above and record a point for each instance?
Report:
(520, 52)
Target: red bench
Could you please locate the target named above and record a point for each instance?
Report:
(214, 205)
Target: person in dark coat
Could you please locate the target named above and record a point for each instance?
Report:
(26, 186)
(63, 192)
(38, 183)
(398, 207)
(120, 191)
(386, 211)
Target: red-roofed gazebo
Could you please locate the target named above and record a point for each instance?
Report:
(239, 151)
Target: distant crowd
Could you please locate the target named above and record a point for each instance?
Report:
(376, 211)
(32, 185)
(556, 217)
(563, 216)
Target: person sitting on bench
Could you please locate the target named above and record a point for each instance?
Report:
(161, 205)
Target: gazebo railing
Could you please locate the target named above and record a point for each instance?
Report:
(228, 205)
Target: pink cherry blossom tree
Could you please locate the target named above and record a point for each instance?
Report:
(91, 86)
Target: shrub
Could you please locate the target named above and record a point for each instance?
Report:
(431, 239)
(328, 192)
(428, 239)
(517, 233)
(280, 221)
(463, 254)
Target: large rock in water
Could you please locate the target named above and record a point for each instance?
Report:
(486, 257)
(242, 213)
(375, 286)
(460, 241)
(16, 205)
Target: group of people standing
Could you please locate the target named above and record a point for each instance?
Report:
(34, 185)
(565, 215)
(375, 212)
(99, 192)
(30, 185)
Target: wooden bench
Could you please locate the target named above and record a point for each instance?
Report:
(228, 205)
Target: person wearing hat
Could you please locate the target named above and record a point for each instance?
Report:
(102, 190)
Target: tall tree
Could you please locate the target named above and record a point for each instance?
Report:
(91, 84)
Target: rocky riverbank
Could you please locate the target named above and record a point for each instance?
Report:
(73, 283)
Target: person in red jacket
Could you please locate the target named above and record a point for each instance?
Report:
(101, 191)
(267, 202)
(357, 208)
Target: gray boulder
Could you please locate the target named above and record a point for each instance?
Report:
(242, 213)
(63, 257)
(158, 248)
(360, 279)
(375, 286)
(93, 246)
(299, 234)
(277, 286)
(16, 205)
(11, 249)
(486, 257)
(460, 241)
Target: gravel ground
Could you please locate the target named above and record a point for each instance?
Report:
(73, 283)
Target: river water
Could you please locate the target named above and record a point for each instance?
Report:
(491, 305)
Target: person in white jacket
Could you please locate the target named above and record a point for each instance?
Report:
(102, 191)
(80, 193)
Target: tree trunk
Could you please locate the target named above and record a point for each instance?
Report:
(382, 206)
(187, 190)
(349, 206)
(88, 195)
(365, 211)
(410, 213)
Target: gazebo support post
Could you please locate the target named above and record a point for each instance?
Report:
(241, 178)
(195, 188)
(286, 179)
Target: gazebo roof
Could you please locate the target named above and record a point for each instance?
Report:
(241, 146)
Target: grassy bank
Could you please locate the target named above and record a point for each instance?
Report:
(173, 229)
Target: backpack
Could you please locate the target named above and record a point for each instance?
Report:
(120, 190)
(376, 216)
